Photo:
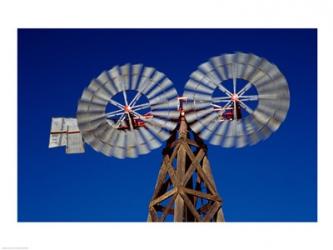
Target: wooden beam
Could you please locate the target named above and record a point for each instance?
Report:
(201, 194)
(212, 211)
(153, 214)
(200, 171)
(163, 197)
(161, 177)
(180, 171)
(193, 166)
(220, 216)
(190, 206)
(207, 170)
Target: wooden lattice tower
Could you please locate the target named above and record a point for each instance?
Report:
(185, 190)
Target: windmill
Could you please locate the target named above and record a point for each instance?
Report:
(232, 100)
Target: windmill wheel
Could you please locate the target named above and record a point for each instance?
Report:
(236, 100)
(128, 111)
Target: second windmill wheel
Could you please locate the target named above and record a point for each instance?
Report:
(236, 99)
(128, 111)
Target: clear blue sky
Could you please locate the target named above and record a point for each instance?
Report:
(275, 180)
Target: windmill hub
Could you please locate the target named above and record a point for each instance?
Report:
(235, 98)
(127, 108)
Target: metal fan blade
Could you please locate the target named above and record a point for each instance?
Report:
(166, 114)
(171, 104)
(197, 115)
(148, 71)
(242, 58)
(151, 84)
(218, 66)
(205, 121)
(97, 145)
(159, 132)
(88, 136)
(108, 134)
(197, 76)
(131, 144)
(125, 71)
(130, 138)
(211, 73)
(271, 87)
(193, 85)
(261, 116)
(172, 93)
(253, 138)
(105, 91)
(280, 115)
(201, 124)
(265, 132)
(190, 106)
(86, 116)
(116, 78)
(158, 77)
(90, 96)
(228, 141)
(100, 130)
(149, 138)
(136, 70)
(268, 67)
(197, 126)
(230, 135)
(248, 126)
(219, 133)
(266, 109)
(252, 66)
(189, 95)
(121, 140)
(131, 152)
(273, 124)
(258, 77)
(202, 97)
(216, 140)
(166, 83)
(273, 105)
(146, 82)
(119, 152)
(222, 127)
(90, 125)
(102, 94)
(141, 145)
(240, 139)
(107, 150)
(104, 78)
(208, 131)
(161, 123)
(90, 106)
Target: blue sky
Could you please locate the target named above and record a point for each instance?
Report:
(275, 180)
